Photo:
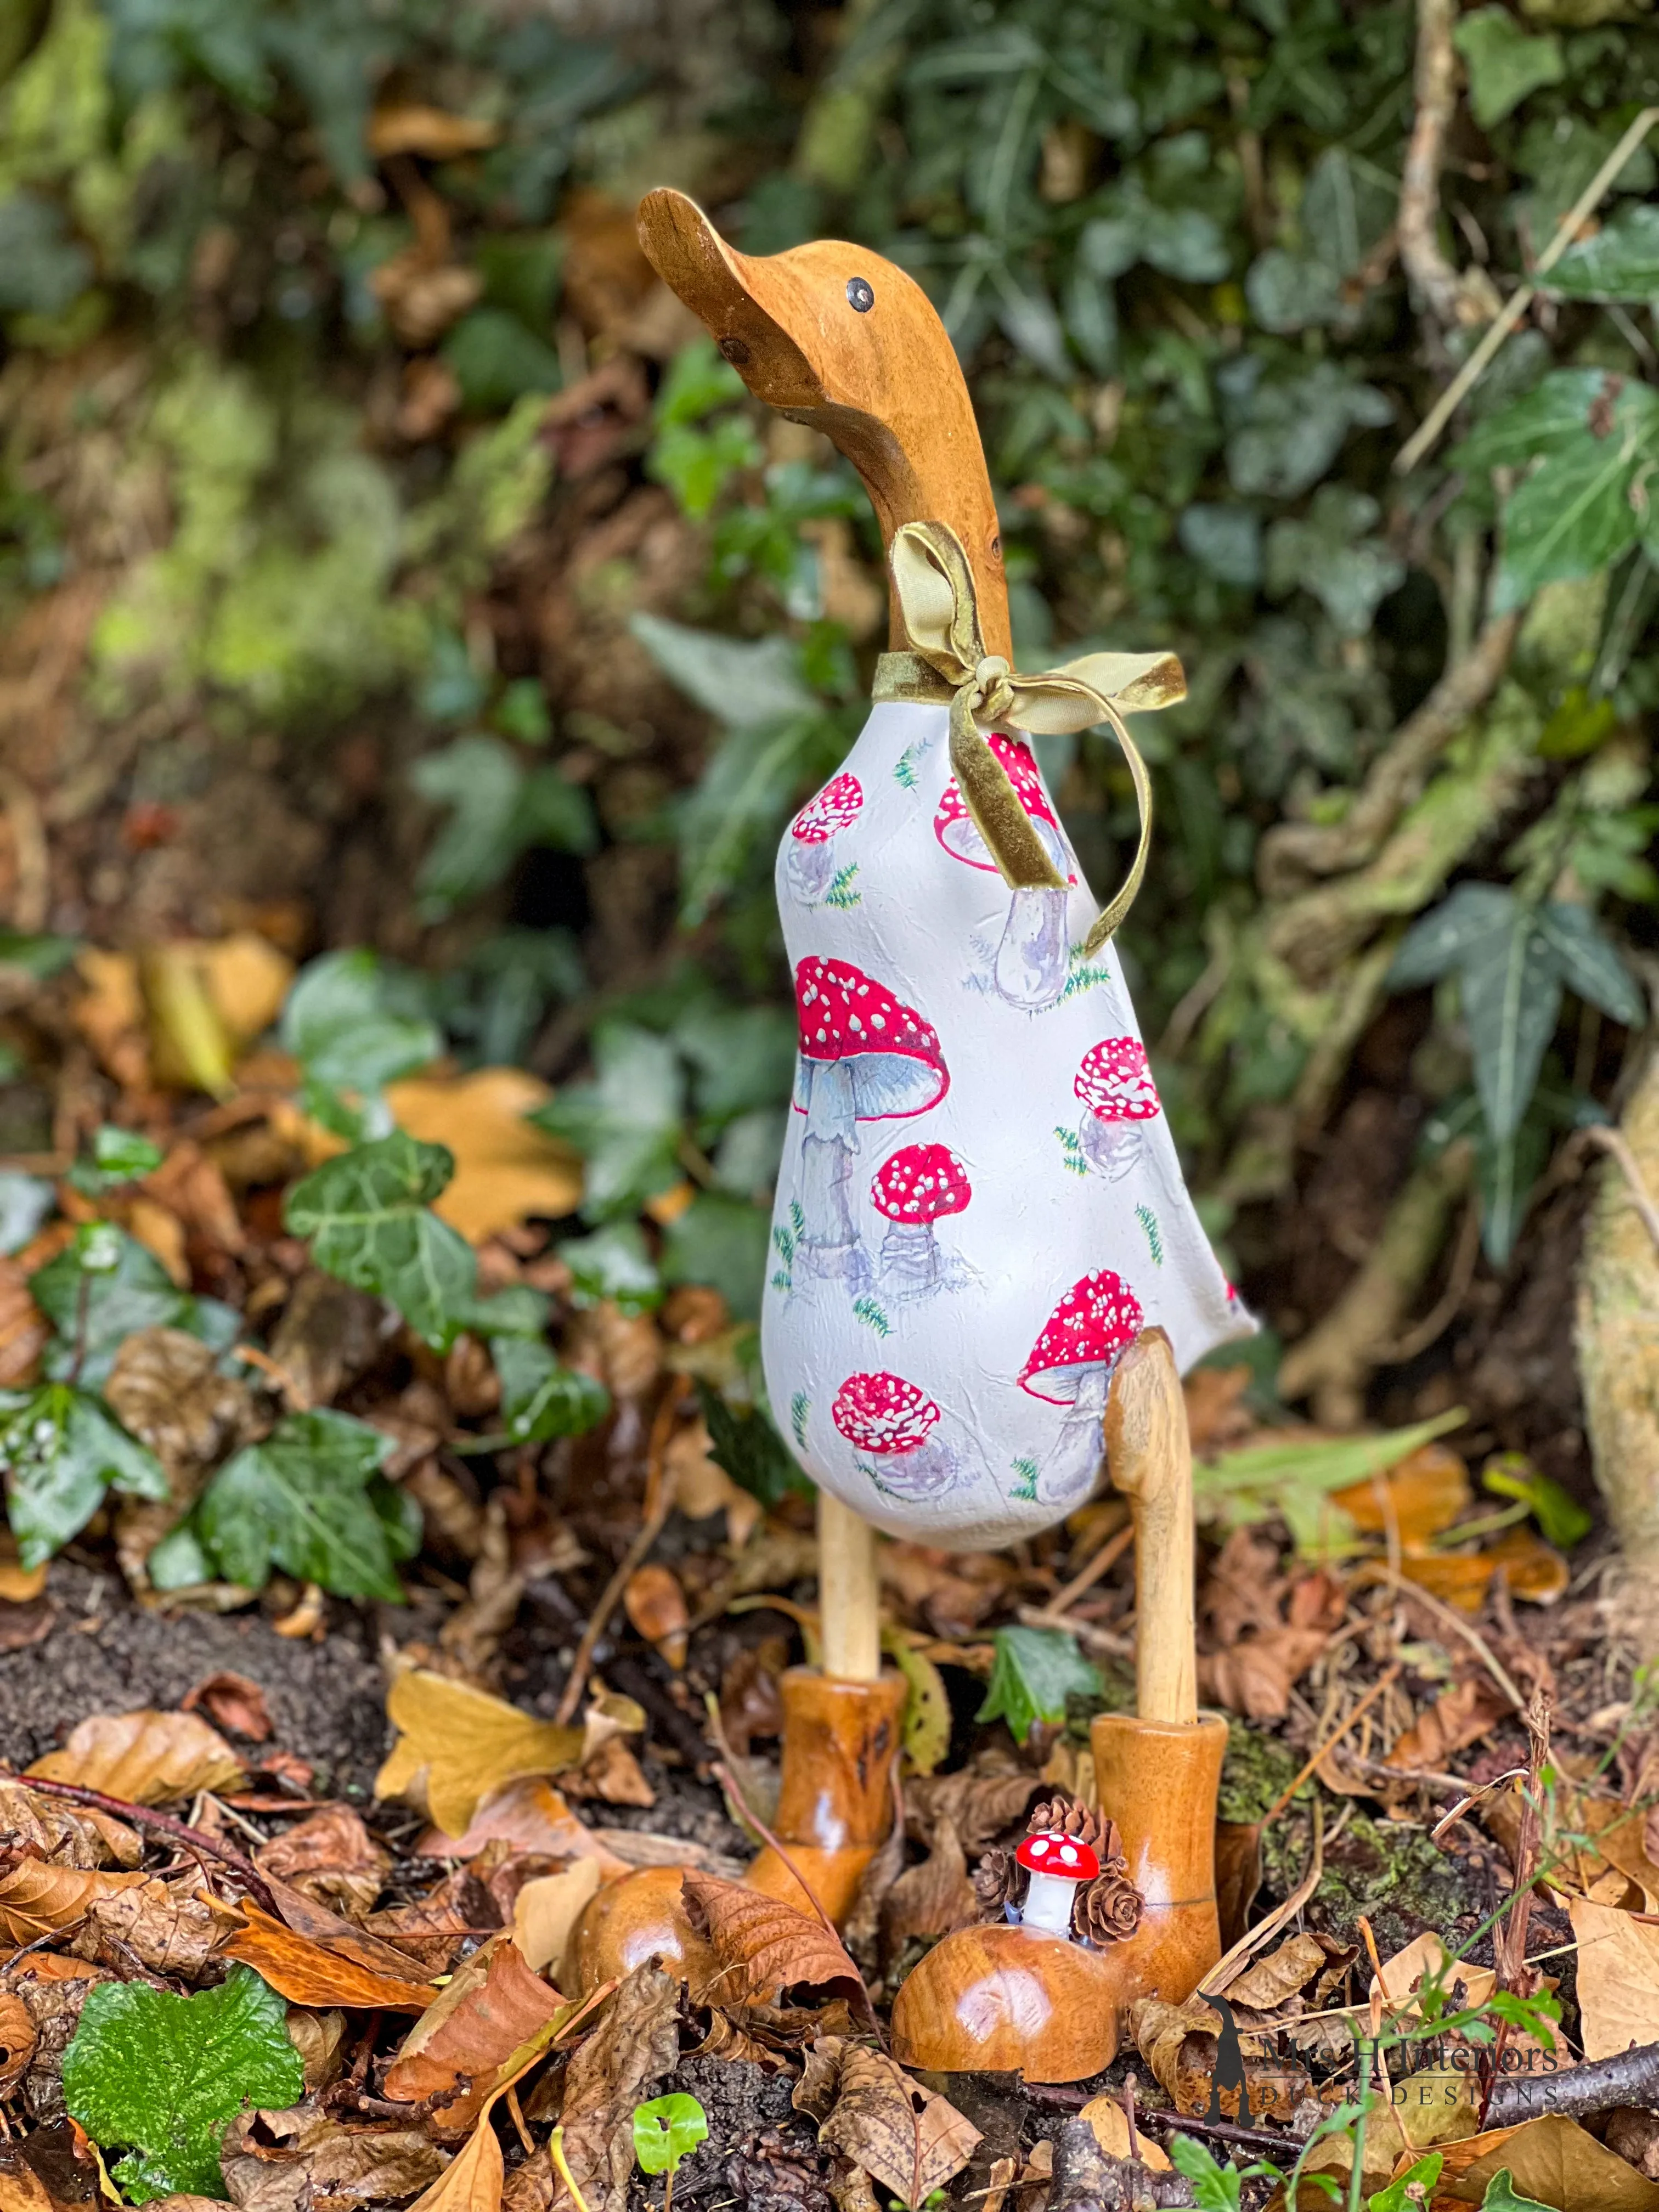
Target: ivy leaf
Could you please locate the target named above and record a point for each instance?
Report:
(1334, 554)
(1587, 964)
(748, 1446)
(1502, 2196)
(162, 2074)
(1621, 262)
(626, 1122)
(613, 1263)
(499, 808)
(60, 1449)
(1563, 1520)
(341, 1022)
(369, 1219)
(102, 1287)
(1504, 62)
(542, 1398)
(723, 1241)
(308, 1499)
(119, 1155)
(745, 686)
(1033, 1672)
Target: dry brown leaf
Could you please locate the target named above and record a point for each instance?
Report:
(1422, 1496)
(17, 2041)
(1256, 1675)
(1110, 2126)
(610, 1773)
(407, 126)
(528, 1816)
(1553, 2159)
(171, 1930)
(1618, 1978)
(280, 2160)
(1635, 2135)
(506, 1169)
(1458, 1717)
(932, 1898)
(231, 1701)
(1217, 1417)
(329, 1856)
(301, 1970)
(472, 2026)
(37, 1899)
(458, 1744)
(869, 2109)
(1402, 1974)
(1267, 1984)
(655, 1604)
(635, 2044)
(433, 1930)
(764, 1946)
(144, 1757)
(1178, 2042)
(67, 1835)
(25, 1332)
(320, 2038)
(978, 1806)
(21, 2189)
(110, 1015)
(725, 2040)
(546, 1909)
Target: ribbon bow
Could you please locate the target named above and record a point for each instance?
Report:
(948, 660)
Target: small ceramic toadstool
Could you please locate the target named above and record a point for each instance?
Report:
(1056, 1863)
(891, 1422)
(919, 1186)
(864, 1057)
(1071, 1364)
(1030, 964)
(811, 861)
(1118, 1094)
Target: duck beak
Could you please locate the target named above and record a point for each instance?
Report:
(749, 306)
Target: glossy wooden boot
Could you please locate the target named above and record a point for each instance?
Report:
(1160, 1780)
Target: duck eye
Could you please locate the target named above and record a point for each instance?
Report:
(860, 294)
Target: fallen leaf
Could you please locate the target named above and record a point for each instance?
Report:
(329, 1856)
(433, 1930)
(1178, 2042)
(144, 1757)
(635, 2044)
(319, 2037)
(546, 1909)
(528, 1816)
(506, 1169)
(978, 1806)
(655, 1604)
(67, 1835)
(24, 1332)
(1426, 1954)
(409, 126)
(1533, 1569)
(307, 1974)
(1551, 2159)
(1256, 1675)
(1458, 1717)
(456, 1744)
(1110, 2126)
(17, 2041)
(764, 1946)
(21, 2189)
(493, 2004)
(288, 2158)
(725, 2040)
(1264, 1983)
(932, 1898)
(37, 1899)
(472, 2181)
(172, 1930)
(1422, 1496)
(32, 1622)
(1618, 1978)
(611, 1774)
(233, 1702)
(911, 2139)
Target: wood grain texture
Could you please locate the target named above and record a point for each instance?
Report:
(1160, 1782)
(835, 1804)
(849, 1593)
(1008, 2000)
(1149, 1456)
(883, 385)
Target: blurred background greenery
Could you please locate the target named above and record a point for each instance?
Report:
(385, 562)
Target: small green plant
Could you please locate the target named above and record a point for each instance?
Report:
(1034, 1671)
(667, 2132)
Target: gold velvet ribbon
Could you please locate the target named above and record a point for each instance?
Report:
(948, 662)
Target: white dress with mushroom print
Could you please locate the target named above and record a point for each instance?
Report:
(980, 1202)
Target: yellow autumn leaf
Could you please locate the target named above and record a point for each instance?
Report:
(144, 1757)
(505, 1168)
(456, 1744)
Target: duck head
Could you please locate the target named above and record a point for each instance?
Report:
(834, 336)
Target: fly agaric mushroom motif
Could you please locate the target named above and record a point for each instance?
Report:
(1056, 1863)
(891, 1422)
(1030, 963)
(864, 1056)
(1118, 1094)
(812, 834)
(1071, 1364)
(919, 1186)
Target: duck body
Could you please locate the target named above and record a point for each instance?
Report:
(980, 1202)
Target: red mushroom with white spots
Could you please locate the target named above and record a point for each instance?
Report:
(1071, 1364)
(919, 1186)
(893, 1424)
(1115, 1087)
(1030, 964)
(864, 1056)
(812, 862)
(1056, 1863)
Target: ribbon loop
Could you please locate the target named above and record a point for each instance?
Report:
(934, 586)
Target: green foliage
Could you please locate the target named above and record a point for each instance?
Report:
(162, 2074)
(60, 1449)
(118, 1157)
(1033, 1672)
(102, 1287)
(309, 1498)
(1562, 1519)
(26, 1201)
(368, 1217)
(613, 1263)
(1216, 2187)
(540, 1398)
(498, 810)
(1502, 2196)
(626, 1122)
(1293, 1478)
(1411, 2189)
(354, 1030)
(666, 2131)
(742, 1440)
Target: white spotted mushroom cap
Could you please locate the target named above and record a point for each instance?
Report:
(1097, 1317)
(843, 1015)
(836, 806)
(1115, 1082)
(920, 1184)
(1069, 1857)
(883, 1413)
(956, 828)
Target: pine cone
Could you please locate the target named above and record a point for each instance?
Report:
(1107, 1910)
(997, 1878)
(1064, 1816)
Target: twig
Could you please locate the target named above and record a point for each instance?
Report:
(1471, 1637)
(556, 2152)
(1226, 1968)
(1115, 1646)
(1223, 2131)
(163, 1823)
(1510, 1939)
(31, 861)
(1423, 439)
(660, 1499)
(1612, 1140)
(1436, 88)
(1104, 1561)
(1434, 1324)
(1384, 1682)
(1631, 2077)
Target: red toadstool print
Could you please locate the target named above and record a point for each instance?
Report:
(1117, 1092)
(864, 1056)
(1071, 1364)
(812, 862)
(917, 1186)
(1056, 1863)
(1030, 963)
(891, 1423)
